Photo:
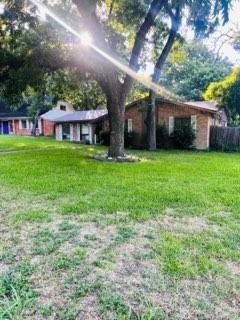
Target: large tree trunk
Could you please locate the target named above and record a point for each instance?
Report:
(151, 112)
(116, 115)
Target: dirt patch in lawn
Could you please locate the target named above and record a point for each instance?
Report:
(80, 262)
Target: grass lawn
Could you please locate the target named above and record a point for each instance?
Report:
(82, 239)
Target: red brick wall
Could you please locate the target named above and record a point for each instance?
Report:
(138, 122)
(166, 110)
(23, 132)
(48, 128)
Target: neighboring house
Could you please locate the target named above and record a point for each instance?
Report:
(47, 119)
(201, 114)
(19, 123)
(81, 126)
(15, 122)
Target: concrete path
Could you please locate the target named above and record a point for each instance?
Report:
(29, 150)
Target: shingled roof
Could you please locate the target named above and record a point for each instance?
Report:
(7, 112)
(205, 105)
(82, 116)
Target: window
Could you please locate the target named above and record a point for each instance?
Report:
(84, 133)
(62, 108)
(85, 130)
(182, 122)
(24, 124)
(129, 125)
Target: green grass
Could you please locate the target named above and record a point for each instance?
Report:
(183, 180)
(146, 240)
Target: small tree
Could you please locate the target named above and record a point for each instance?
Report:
(226, 93)
(37, 103)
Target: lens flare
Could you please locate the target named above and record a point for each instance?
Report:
(86, 38)
(89, 41)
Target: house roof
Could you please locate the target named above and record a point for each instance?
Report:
(205, 105)
(7, 112)
(199, 105)
(21, 112)
(82, 116)
(52, 115)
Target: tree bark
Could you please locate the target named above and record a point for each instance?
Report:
(116, 116)
(34, 128)
(155, 7)
(151, 111)
(151, 121)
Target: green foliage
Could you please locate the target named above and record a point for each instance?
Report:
(162, 137)
(190, 68)
(226, 93)
(129, 139)
(66, 85)
(183, 136)
(105, 137)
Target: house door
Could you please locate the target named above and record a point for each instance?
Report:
(5, 127)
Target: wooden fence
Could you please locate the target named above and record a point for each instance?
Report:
(225, 138)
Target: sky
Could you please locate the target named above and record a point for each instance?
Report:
(218, 41)
(234, 23)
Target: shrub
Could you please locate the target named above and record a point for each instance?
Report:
(183, 136)
(129, 139)
(162, 137)
(105, 138)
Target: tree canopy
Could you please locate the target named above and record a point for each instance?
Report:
(191, 67)
(226, 93)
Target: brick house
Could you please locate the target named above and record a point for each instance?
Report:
(85, 126)
(18, 122)
(81, 126)
(15, 122)
(201, 114)
(47, 119)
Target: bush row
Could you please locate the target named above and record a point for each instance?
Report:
(182, 137)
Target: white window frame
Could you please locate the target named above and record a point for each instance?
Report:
(194, 122)
(170, 125)
(130, 125)
(21, 126)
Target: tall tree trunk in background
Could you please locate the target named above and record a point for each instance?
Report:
(35, 122)
(151, 110)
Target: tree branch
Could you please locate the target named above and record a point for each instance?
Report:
(175, 20)
(152, 14)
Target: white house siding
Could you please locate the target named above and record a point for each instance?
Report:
(71, 132)
(59, 135)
